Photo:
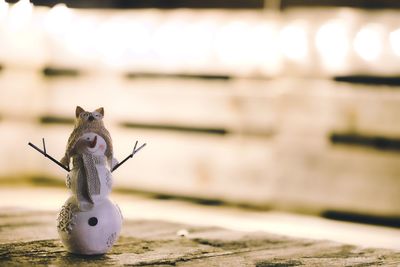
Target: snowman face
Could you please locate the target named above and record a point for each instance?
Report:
(92, 143)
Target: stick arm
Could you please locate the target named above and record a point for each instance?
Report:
(129, 156)
(44, 153)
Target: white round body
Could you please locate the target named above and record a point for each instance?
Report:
(89, 232)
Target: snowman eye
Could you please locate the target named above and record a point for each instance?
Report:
(87, 138)
(92, 221)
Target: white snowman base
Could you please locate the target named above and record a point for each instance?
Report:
(89, 232)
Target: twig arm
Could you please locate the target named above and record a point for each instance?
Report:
(129, 156)
(44, 153)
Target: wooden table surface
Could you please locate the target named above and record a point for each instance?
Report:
(29, 237)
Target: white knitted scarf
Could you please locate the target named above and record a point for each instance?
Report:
(88, 181)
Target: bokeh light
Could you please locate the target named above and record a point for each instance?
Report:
(58, 19)
(20, 15)
(4, 6)
(332, 44)
(395, 41)
(294, 41)
(234, 45)
(368, 42)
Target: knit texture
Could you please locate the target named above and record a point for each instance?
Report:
(88, 180)
(81, 128)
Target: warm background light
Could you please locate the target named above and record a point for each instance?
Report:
(294, 41)
(224, 42)
(395, 41)
(368, 42)
(294, 109)
(332, 42)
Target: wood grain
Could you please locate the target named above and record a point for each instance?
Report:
(29, 238)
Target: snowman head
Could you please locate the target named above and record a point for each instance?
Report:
(91, 143)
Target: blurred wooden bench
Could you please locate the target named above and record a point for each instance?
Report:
(254, 142)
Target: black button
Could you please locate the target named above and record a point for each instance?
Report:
(92, 221)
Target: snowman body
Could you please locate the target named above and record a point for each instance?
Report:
(89, 232)
(89, 223)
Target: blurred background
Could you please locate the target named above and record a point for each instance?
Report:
(290, 105)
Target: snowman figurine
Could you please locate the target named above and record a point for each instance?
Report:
(89, 223)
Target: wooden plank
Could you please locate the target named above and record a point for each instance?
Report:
(182, 102)
(339, 178)
(144, 243)
(322, 106)
(253, 107)
(23, 94)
